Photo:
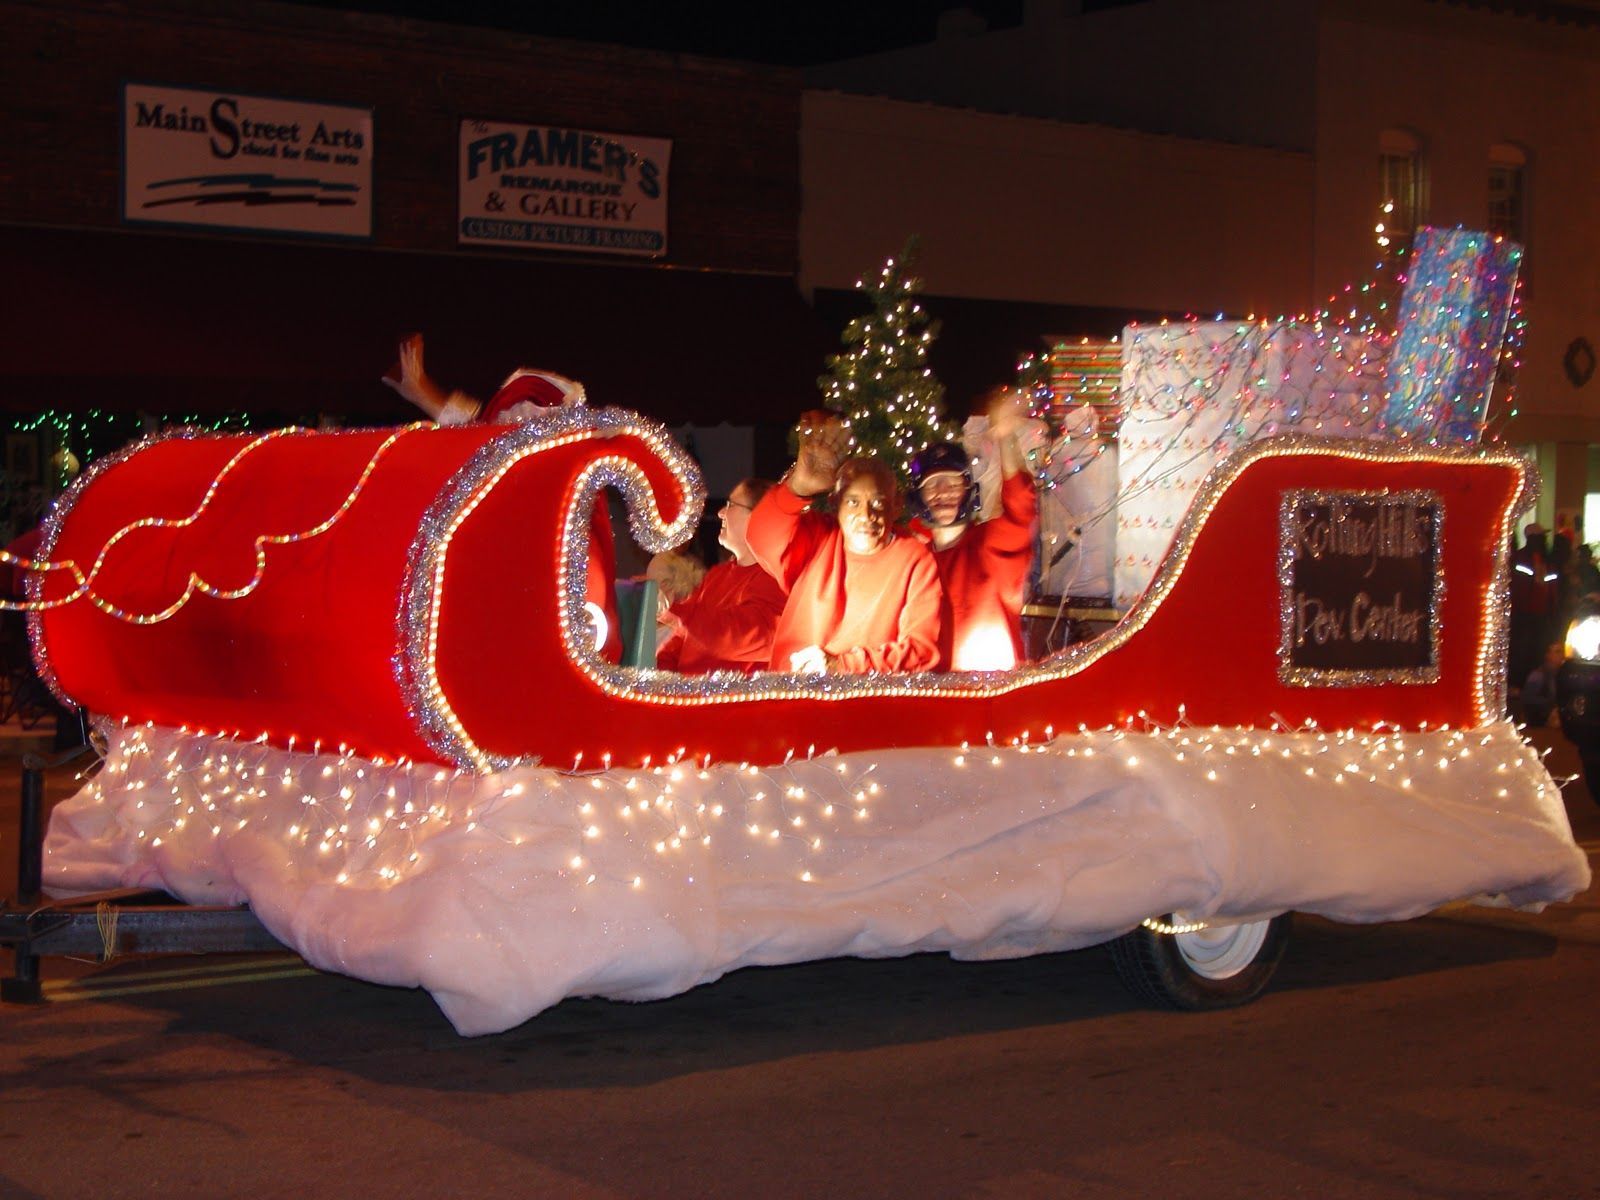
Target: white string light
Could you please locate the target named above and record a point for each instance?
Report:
(374, 821)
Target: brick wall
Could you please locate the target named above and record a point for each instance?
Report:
(733, 187)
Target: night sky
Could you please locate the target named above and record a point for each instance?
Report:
(794, 34)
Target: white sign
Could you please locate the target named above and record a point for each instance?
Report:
(227, 160)
(563, 189)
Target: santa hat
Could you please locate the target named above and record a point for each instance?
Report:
(542, 389)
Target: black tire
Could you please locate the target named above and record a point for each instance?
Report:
(1200, 970)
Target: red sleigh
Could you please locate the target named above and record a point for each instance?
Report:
(419, 594)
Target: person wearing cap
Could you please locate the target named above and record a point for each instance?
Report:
(859, 597)
(524, 395)
(1535, 593)
(1562, 540)
(983, 567)
(727, 622)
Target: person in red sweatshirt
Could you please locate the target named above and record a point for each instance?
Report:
(523, 396)
(727, 623)
(982, 567)
(860, 597)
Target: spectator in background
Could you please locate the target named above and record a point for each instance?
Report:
(727, 622)
(1585, 575)
(1534, 600)
(1539, 690)
(860, 597)
(29, 700)
(1562, 541)
(23, 550)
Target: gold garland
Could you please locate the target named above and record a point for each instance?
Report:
(197, 584)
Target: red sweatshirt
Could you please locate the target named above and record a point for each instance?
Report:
(726, 623)
(985, 575)
(873, 612)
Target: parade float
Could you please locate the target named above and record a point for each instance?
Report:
(357, 682)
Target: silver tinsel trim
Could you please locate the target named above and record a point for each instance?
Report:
(1496, 650)
(413, 666)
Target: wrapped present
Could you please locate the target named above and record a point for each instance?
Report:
(1451, 329)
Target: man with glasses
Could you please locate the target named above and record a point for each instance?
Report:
(726, 624)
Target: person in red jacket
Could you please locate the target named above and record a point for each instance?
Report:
(727, 623)
(524, 395)
(860, 597)
(982, 567)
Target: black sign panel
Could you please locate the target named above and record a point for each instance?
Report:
(1361, 587)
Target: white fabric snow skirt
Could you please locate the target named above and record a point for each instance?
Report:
(503, 893)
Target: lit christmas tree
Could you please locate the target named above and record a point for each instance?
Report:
(881, 384)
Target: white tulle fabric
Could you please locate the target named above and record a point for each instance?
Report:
(503, 893)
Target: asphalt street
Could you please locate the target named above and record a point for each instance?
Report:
(1441, 1057)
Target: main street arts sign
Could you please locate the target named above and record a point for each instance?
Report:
(1361, 587)
(228, 160)
(548, 188)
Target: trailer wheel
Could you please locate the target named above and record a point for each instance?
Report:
(1182, 964)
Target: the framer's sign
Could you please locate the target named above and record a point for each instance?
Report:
(228, 160)
(543, 187)
(1362, 587)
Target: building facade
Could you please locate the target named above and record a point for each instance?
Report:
(1282, 126)
(126, 307)
(1064, 176)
